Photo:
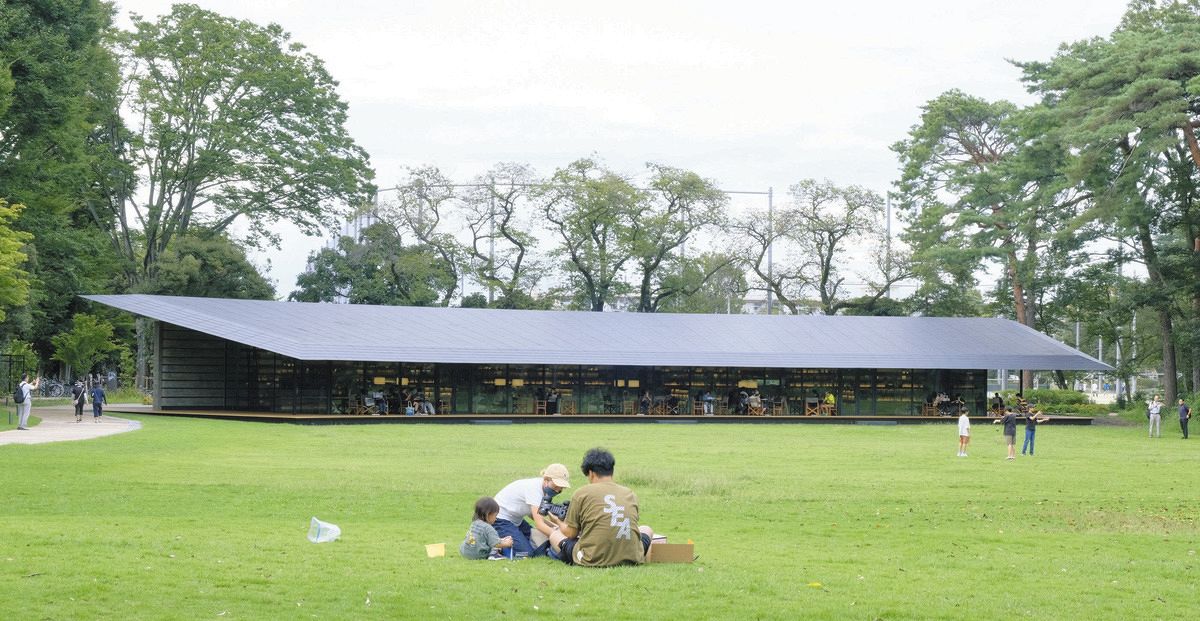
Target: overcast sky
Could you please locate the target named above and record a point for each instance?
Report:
(752, 94)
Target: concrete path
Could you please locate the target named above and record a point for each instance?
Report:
(58, 425)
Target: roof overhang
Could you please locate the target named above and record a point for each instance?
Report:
(489, 336)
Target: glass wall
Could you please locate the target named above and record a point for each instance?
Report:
(262, 381)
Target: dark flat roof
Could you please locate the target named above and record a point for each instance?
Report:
(488, 336)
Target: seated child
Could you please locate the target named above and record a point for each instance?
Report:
(482, 537)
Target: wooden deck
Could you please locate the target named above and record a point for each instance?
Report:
(514, 419)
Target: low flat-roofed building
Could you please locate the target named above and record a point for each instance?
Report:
(302, 358)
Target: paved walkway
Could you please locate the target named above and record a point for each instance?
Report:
(58, 425)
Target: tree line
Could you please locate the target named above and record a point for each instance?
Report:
(127, 158)
(585, 237)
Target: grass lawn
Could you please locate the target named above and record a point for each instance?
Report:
(11, 414)
(190, 519)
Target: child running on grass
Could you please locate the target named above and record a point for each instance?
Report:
(482, 536)
(964, 433)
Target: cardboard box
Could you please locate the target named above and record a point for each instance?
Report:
(670, 553)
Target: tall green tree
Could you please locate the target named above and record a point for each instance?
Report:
(593, 214)
(503, 245)
(88, 341)
(679, 204)
(375, 269)
(58, 81)
(983, 184)
(711, 283)
(14, 283)
(814, 239)
(1129, 106)
(207, 265)
(235, 121)
(55, 72)
(419, 212)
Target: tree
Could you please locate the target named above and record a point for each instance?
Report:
(418, 210)
(14, 283)
(1129, 106)
(502, 241)
(375, 269)
(984, 183)
(58, 81)
(211, 266)
(827, 220)
(55, 77)
(815, 236)
(87, 343)
(759, 232)
(709, 283)
(679, 204)
(593, 213)
(233, 121)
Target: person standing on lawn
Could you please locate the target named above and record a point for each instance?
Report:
(1033, 418)
(98, 402)
(964, 433)
(1185, 413)
(1009, 420)
(601, 528)
(1154, 411)
(25, 389)
(78, 399)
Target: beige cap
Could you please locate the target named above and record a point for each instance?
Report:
(558, 474)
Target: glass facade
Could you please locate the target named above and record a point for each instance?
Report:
(266, 382)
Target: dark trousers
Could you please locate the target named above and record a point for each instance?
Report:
(1183, 425)
(519, 534)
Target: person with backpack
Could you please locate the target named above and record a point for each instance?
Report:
(98, 402)
(24, 398)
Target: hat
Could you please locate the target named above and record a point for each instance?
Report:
(558, 474)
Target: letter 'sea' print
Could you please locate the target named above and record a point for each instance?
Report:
(618, 517)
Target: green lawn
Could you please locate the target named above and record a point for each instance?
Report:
(11, 414)
(190, 519)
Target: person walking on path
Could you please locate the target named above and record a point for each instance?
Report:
(1154, 411)
(25, 403)
(98, 402)
(78, 399)
(1185, 413)
(964, 433)
(1009, 420)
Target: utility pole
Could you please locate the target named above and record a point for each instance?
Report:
(491, 248)
(770, 244)
(1133, 337)
(887, 244)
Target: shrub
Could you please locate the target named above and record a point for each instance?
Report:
(1081, 409)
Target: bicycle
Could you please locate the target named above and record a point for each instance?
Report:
(51, 388)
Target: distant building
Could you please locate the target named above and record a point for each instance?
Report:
(290, 357)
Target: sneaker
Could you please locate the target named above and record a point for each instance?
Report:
(1010, 457)
(22, 429)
